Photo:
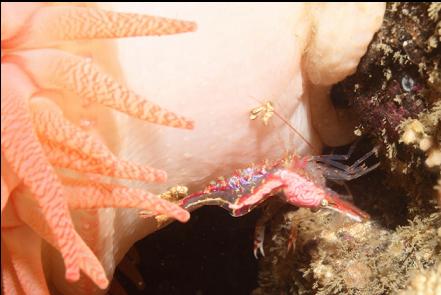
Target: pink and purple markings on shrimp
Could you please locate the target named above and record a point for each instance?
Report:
(301, 179)
(237, 194)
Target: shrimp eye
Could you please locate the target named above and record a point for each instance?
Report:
(324, 203)
(407, 83)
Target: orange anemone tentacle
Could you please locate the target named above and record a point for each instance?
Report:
(55, 69)
(68, 146)
(26, 157)
(62, 157)
(5, 193)
(26, 261)
(33, 217)
(85, 194)
(10, 283)
(66, 23)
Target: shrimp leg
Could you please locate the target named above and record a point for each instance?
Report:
(259, 233)
(334, 170)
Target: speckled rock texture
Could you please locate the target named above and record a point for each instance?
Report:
(396, 97)
(396, 94)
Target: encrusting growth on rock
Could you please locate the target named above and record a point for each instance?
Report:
(337, 256)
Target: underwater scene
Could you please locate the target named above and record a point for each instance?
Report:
(220, 148)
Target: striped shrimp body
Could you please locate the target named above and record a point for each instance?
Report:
(299, 180)
(237, 193)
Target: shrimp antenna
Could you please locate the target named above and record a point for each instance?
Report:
(290, 126)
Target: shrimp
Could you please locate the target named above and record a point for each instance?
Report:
(299, 181)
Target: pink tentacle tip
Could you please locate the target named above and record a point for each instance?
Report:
(190, 125)
(160, 176)
(192, 26)
(185, 124)
(184, 216)
(72, 274)
(103, 283)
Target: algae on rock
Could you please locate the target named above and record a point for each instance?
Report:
(397, 82)
(334, 255)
